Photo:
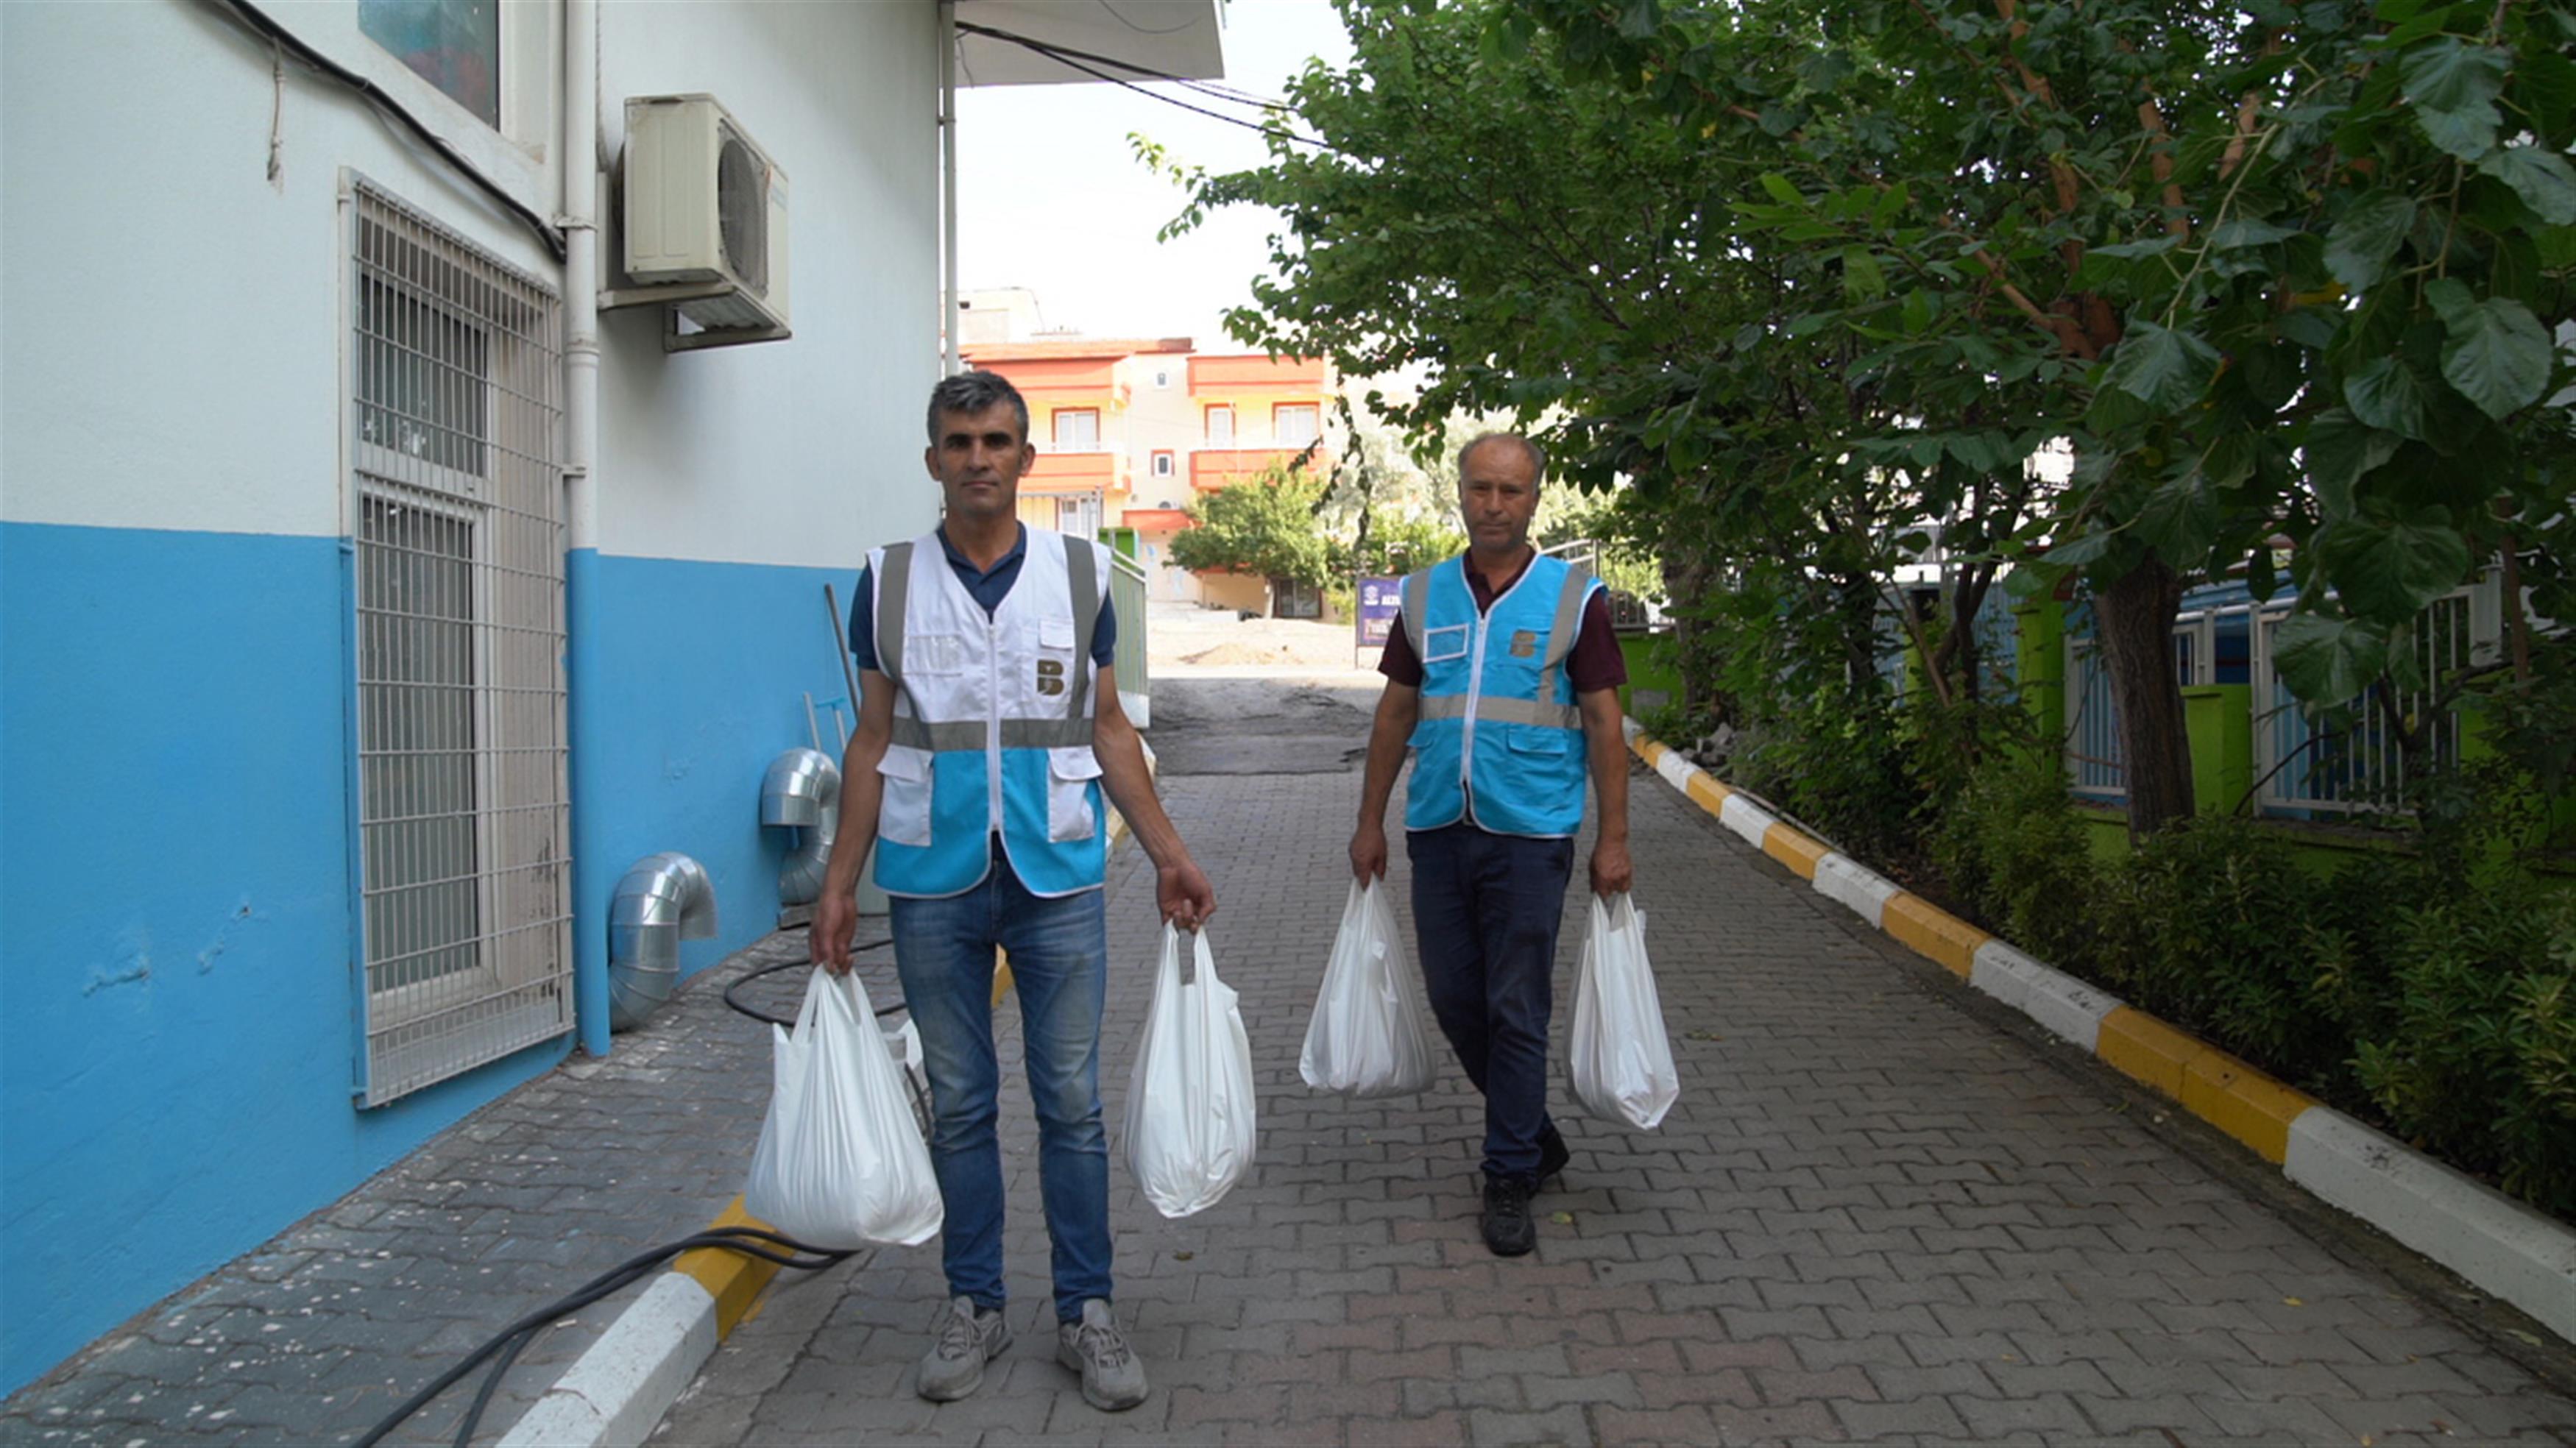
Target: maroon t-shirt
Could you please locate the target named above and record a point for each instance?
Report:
(1596, 662)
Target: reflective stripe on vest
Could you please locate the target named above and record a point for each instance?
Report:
(993, 729)
(1499, 740)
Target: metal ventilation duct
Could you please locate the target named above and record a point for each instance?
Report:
(803, 791)
(664, 899)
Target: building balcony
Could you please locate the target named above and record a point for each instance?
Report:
(1093, 471)
(1212, 468)
(1156, 520)
(1217, 376)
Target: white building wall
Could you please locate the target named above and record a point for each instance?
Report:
(175, 318)
(807, 451)
(1162, 418)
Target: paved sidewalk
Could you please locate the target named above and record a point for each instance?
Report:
(320, 1332)
(1871, 1216)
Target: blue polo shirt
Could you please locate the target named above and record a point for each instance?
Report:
(988, 587)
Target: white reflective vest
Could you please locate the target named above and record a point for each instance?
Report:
(1499, 742)
(992, 726)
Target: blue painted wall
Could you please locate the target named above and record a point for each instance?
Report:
(687, 681)
(176, 1006)
(175, 987)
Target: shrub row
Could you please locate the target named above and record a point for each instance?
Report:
(2429, 989)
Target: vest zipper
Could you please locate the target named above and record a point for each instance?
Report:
(1475, 691)
(993, 725)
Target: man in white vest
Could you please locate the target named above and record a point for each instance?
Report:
(988, 724)
(1502, 676)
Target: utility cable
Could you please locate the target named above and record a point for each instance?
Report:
(1145, 29)
(501, 1350)
(276, 34)
(504, 1347)
(1052, 49)
(1074, 60)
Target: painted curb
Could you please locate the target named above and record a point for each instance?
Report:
(615, 1394)
(2500, 1246)
(2483, 1235)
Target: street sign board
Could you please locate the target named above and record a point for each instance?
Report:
(1379, 600)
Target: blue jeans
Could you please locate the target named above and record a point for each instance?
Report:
(1059, 968)
(1485, 912)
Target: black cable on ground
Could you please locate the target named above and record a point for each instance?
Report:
(502, 1349)
(507, 1344)
(748, 976)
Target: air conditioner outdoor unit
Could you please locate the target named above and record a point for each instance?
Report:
(706, 216)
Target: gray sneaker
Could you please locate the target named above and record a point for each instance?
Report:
(1112, 1379)
(968, 1338)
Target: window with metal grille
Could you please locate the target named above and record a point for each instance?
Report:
(464, 822)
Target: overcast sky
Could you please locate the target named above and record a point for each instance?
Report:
(1051, 197)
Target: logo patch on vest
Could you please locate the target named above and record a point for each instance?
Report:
(1050, 676)
(1524, 644)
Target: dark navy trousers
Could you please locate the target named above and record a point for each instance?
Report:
(1485, 913)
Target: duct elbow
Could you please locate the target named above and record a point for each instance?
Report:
(663, 899)
(799, 784)
(802, 790)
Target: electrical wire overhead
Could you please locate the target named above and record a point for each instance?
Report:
(1077, 60)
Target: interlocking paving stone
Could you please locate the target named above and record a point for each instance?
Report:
(1873, 1216)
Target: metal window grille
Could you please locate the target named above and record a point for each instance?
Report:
(464, 820)
(2096, 765)
(2364, 769)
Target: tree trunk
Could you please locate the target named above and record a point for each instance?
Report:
(2136, 620)
(1856, 604)
(1686, 576)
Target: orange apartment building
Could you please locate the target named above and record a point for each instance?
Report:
(1128, 430)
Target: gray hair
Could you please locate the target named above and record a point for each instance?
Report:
(969, 393)
(1537, 455)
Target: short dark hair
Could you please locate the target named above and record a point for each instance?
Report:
(972, 392)
(1537, 456)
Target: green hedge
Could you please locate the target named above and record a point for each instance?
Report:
(2431, 991)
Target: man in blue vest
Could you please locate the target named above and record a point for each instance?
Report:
(988, 723)
(1502, 675)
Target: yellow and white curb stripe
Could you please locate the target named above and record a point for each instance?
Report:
(2502, 1247)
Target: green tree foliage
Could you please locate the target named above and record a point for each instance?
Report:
(1264, 526)
(1536, 243)
(2279, 270)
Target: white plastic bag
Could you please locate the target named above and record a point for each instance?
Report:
(1189, 1099)
(1619, 1062)
(841, 1163)
(1366, 1037)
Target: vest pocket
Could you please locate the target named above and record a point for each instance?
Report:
(1069, 776)
(903, 811)
(1442, 644)
(1536, 741)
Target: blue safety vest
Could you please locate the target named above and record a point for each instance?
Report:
(993, 720)
(1500, 740)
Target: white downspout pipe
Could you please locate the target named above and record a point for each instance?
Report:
(580, 171)
(951, 318)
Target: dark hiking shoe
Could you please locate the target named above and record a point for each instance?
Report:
(1508, 1228)
(1112, 1380)
(968, 1338)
